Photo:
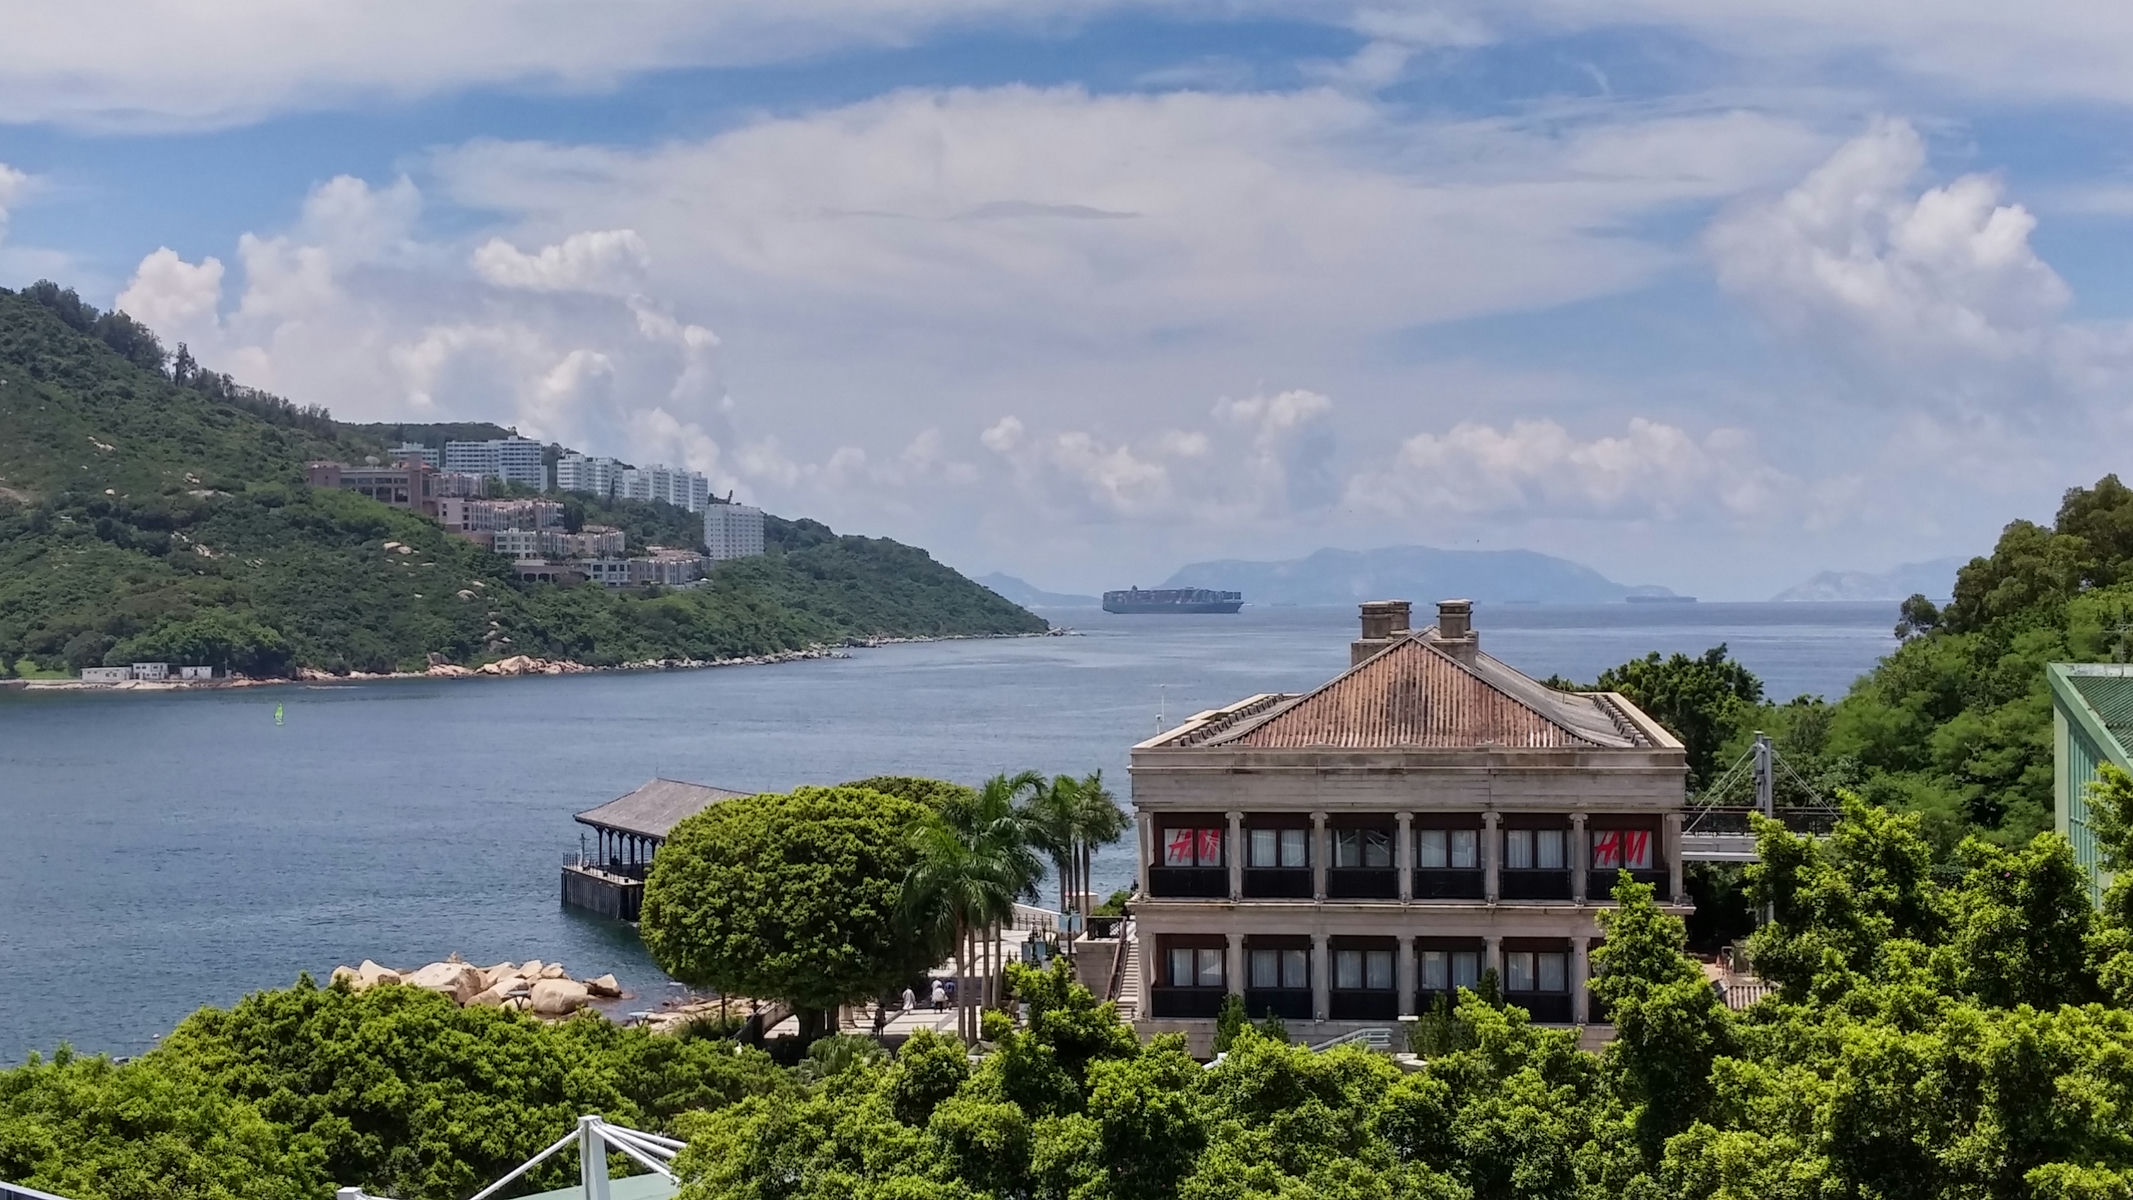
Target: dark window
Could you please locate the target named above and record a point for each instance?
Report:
(1287, 969)
(1366, 848)
(1284, 848)
(1448, 849)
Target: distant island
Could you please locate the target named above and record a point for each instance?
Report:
(1029, 595)
(154, 511)
(1347, 576)
(1933, 579)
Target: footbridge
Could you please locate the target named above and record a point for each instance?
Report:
(1716, 825)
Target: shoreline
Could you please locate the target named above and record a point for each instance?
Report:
(515, 667)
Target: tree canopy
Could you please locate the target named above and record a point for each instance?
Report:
(797, 897)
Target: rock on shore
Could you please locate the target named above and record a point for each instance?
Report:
(542, 988)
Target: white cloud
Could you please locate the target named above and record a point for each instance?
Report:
(177, 299)
(609, 260)
(13, 183)
(1651, 470)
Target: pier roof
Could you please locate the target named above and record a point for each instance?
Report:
(653, 810)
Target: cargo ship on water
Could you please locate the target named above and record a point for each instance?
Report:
(1172, 600)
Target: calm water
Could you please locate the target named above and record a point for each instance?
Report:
(163, 852)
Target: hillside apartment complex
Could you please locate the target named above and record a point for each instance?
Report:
(1344, 856)
(608, 478)
(2092, 719)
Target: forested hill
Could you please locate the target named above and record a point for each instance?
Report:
(150, 509)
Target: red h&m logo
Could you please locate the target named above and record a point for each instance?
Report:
(1177, 850)
(1617, 848)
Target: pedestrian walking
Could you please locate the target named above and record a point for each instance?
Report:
(940, 996)
(910, 1001)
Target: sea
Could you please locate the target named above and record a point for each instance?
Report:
(160, 852)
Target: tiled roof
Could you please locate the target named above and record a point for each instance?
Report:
(654, 809)
(1417, 695)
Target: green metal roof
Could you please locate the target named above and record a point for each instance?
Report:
(2099, 695)
(637, 1187)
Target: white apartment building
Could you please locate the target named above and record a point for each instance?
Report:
(591, 476)
(1345, 856)
(430, 455)
(513, 460)
(594, 541)
(682, 489)
(732, 531)
(468, 516)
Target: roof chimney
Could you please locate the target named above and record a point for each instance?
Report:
(1384, 622)
(1455, 628)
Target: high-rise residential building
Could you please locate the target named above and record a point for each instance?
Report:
(682, 489)
(513, 460)
(732, 531)
(1345, 857)
(591, 476)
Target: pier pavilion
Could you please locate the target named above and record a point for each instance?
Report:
(630, 830)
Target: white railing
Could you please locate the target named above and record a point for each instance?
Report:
(593, 1137)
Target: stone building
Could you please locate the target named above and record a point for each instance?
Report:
(1343, 856)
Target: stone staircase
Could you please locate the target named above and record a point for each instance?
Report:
(1126, 986)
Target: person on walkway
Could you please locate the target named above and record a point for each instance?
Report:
(910, 1001)
(940, 996)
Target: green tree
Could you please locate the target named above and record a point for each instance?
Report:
(1230, 1021)
(973, 859)
(1701, 700)
(796, 897)
(2020, 925)
(1670, 1025)
(1070, 820)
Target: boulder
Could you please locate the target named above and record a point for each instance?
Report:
(604, 987)
(558, 997)
(498, 994)
(347, 973)
(552, 971)
(491, 976)
(532, 969)
(370, 975)
(457, 980)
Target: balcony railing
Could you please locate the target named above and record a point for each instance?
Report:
(1184, 1003)
(1440, 884)
(1277, 883)
(1363, 883)
(1523, 884)
(1364, 1006)
(1189, 883)
(1290, 1004)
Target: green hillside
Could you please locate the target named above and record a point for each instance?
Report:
(152, 511)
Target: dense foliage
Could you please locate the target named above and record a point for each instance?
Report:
(397, 1090)
(151, 509)
(795, 897)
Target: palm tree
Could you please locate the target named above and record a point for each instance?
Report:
(1098, 821)
(976, 858)
(1052, 812)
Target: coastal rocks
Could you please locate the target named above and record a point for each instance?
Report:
(457, 980)
(558, 997)
(526, 664)
(367, 976)
(447, 671)
(604, 987)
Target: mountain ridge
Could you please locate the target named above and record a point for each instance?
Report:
(1934, 579)
(152, 511)
(1029, 595)
(1336, 576)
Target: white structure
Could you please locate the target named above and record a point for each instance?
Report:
(152, 672)
(593, 1138)
(196, 674)
(671, 568)
(591, 476)
(465, 516)
(607, 572)
(428, 454)
(732, 531)
(595, 541)
(512, 459)
(682, 489)
(106, 674)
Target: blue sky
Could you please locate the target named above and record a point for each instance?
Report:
(1709, 296)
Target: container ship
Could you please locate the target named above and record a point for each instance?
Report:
(1173, 600)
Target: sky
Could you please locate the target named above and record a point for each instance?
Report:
(1712, 296)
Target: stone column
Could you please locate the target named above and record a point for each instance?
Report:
(1144, 829)
(1580, 978)
(1233, 856)
(1320, 851)
(1144, 947)
(1403, 856)
(1492, 958)
(1233, 969)
(1491, 856)
(1403, 975)
(1321, 976)
(1580, 858)
(1673, 858)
